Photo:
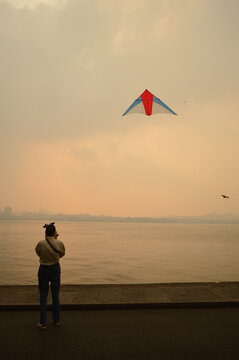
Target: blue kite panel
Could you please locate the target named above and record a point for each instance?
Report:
(158, 101)
(136, 102)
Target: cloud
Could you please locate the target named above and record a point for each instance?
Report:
(69, 72)
(154, 169)
(33, 4)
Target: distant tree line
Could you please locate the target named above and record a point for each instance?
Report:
(8, 214)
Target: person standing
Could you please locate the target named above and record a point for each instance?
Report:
(49, 251)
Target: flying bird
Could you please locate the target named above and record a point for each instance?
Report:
(148, 104)
(225, 196)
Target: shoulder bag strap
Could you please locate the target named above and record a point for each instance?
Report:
(53, 247)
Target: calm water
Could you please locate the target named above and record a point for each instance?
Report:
(124, 253)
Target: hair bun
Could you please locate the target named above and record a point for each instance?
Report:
(46, 225)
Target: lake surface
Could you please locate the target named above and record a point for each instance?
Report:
(98, 253)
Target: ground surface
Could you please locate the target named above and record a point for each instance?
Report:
(125, 295)
(200, 333)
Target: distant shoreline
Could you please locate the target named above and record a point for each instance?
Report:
(203, 219)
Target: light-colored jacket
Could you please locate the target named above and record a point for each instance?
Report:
(47, 255)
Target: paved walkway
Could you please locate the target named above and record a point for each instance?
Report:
(129, 334)
(126, 296)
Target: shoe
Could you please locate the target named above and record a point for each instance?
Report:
(57, 323)
(41, 326)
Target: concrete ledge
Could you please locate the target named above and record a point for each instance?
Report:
(112, 296)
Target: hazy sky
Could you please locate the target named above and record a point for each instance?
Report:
(70, 68)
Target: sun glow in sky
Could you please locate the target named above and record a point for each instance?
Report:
(70, 68)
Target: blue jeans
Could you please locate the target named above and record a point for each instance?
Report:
(52, 274)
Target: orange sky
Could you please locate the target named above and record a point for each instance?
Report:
(69, 70)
